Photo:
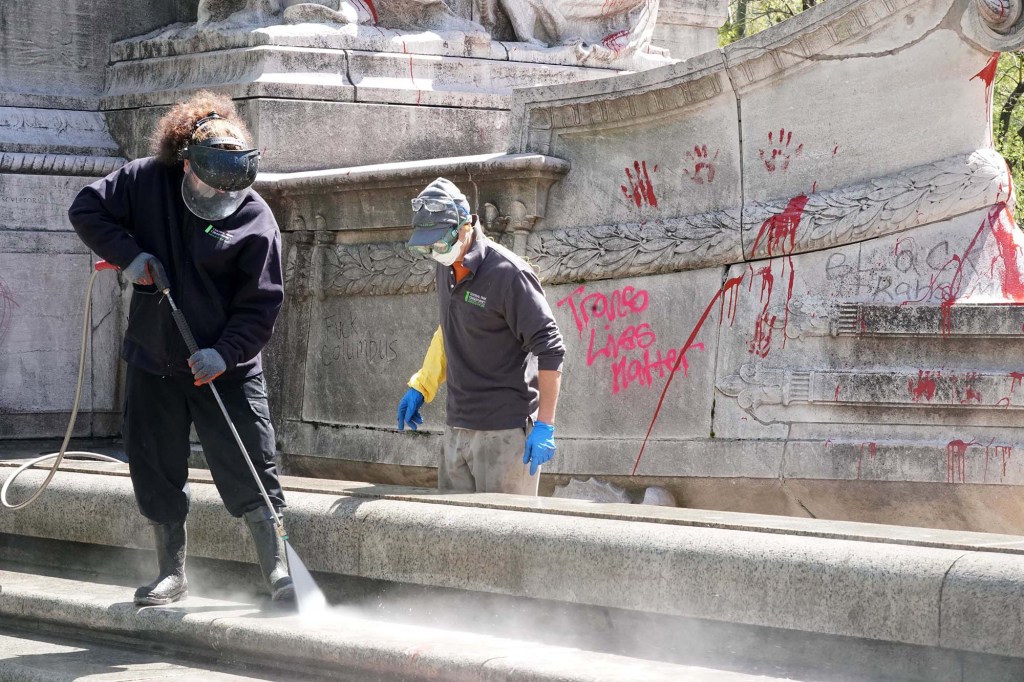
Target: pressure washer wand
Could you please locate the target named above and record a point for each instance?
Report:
(160, 279)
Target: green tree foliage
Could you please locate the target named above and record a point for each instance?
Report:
(1008, 111)
(747, 17)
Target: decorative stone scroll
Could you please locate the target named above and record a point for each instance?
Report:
(755, 387)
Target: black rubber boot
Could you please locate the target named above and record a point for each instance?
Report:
(270, 553)
(170, 585)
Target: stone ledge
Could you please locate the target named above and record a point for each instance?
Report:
(888, 592)
(339, 642)
(698, 518)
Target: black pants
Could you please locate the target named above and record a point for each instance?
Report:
(157, 414)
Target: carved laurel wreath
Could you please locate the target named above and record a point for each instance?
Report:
(922, 195)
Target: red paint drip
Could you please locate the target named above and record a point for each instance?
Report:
(835, 398)
(779, 235)
(781, 227)
(1004, 452)
(373, 10)
(956, 460)
(728, 286)
(1010, 253)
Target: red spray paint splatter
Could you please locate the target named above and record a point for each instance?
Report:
(412, 76)
(987, 76)
(872, 450)
(1004, 452)
(728, 286)
(616, 42)
(1010, 253)
(640, 189)
(956, 460)
(972, 393)
(1015, 381)
(835, 398)
(779, 234)
(1007, 251)
(924, 387)
(373, 10)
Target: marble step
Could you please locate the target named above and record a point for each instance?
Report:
(34, 656)
(341, 642)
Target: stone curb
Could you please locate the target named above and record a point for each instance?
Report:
(957, 599)
(700, 518)
(336, 642)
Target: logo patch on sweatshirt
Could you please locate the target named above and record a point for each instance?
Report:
(219, 235)
(476, 299)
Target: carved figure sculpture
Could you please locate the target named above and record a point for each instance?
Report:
(433, 15)
(602, 30)
(598, 30)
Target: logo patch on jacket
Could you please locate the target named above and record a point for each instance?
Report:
(476, 299)
(219, 235)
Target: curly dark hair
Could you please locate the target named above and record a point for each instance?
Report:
(174, 130)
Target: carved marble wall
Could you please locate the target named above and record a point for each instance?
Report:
(784, 296)
(54, 140)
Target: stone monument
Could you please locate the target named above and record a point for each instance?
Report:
(787, 270)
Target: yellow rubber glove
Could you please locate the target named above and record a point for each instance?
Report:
(432, 374)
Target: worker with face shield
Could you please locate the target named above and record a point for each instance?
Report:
(498, 347)
(188, 217)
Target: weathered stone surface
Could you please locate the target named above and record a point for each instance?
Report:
(43, 275)
(886, 590)
(344, 642)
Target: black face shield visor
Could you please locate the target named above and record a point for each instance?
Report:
(214, 186)
(228, 170)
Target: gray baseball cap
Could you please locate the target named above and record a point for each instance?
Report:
(436, 210)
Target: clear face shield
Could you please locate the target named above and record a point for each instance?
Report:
(216, 181)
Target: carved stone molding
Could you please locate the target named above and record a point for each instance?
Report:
(59, 164)
(607, 251)
(755, 387)
(375, 269)
(961, 320)
(545, 121)
(845, 215)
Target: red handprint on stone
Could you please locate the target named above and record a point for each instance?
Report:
(781, 151)
(640, 189)
(703, 165)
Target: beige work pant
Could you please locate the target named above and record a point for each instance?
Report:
(485, 462)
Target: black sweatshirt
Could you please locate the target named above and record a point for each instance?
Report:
(498, 331)
(226, 275)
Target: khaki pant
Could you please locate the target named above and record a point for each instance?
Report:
(485, 462)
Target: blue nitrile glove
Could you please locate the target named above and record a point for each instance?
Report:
(206, 365)
(409, 410)
(540, 446)
(142, 269)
